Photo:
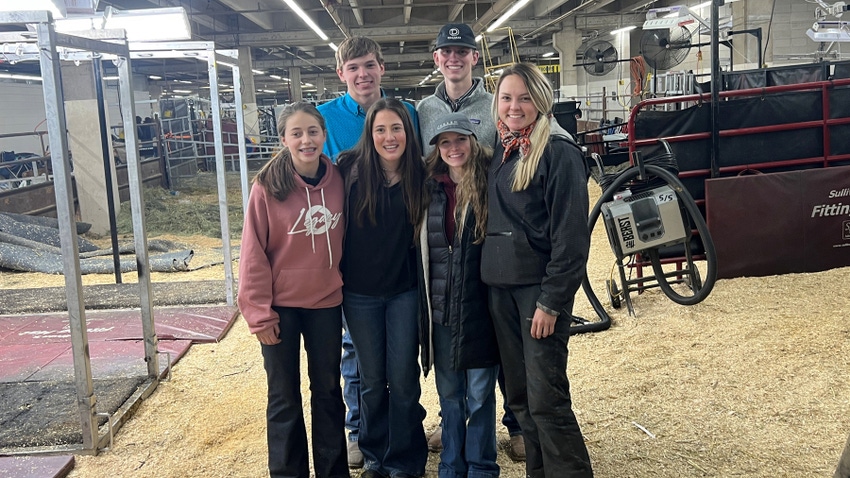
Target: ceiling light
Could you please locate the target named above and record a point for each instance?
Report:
(142, 25)
(276, 77)
(56, 7)
(258, 72)
(110, 78)
(15, 76)
(185, 92)
(829, 31)
(298, 11)
(333, 46)
(511, 11)
(269, 91)
(547, 55)
(151, 24)
(623, 30)
(154, 77)
(224, 63)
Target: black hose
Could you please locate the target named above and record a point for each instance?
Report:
(708, 245)
(613, 186)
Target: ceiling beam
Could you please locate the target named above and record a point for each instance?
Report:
(262, 20)
(388, 34)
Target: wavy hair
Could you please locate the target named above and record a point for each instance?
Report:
(370, 180)
(277, 176)
(472, 189)
(542, 96)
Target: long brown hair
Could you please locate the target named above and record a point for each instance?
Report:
(472, 188)
(278, 175)
(369, 175)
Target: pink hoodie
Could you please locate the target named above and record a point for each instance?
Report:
(291, 250)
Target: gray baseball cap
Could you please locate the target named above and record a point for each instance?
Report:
(454, 123)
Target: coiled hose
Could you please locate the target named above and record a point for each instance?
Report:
(612, 185)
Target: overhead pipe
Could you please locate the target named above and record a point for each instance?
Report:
(597, 4)
(332, 11)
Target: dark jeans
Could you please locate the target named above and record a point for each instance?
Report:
(385, 332)
(537, 386)
(351, 384)
(286, 433)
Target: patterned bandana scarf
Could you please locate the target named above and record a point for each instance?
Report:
(512, 140)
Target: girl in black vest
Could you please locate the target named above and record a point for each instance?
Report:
(465, 354)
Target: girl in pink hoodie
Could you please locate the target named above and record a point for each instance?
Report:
(290, 288)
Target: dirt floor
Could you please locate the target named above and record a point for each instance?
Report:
(751, 382)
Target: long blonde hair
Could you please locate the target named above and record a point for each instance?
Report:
(472, 188)
(542, 96)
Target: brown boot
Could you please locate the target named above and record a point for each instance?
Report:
(516, 448)
(435, 441)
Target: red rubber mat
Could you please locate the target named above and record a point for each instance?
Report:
(38, 346)
(36, 466)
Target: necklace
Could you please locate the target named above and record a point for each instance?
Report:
(389, 176)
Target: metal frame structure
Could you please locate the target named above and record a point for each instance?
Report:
(827, 159)
(49, 48)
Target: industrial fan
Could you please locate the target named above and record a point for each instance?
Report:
(665, 48)
(599, 58)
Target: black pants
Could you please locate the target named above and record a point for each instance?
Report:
(286, 433)
(537, 386)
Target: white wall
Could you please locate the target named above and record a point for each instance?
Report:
(23, 110)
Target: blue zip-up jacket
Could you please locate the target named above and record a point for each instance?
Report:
(345, 118)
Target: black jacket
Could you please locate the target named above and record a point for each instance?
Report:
(539, 235)
(452, 293)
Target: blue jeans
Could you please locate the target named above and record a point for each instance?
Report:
(385, 332)
(351, 383)
(468, 406)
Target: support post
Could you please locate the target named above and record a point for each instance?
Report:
(215, 106)
(54, 102)
(137, 206)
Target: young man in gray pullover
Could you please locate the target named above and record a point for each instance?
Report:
(455, 54)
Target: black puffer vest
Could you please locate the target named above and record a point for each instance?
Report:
(456, 296)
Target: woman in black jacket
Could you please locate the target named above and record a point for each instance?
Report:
(534, 260)
(465, 354)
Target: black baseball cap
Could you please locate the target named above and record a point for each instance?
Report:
(456, 34)
(453, 123)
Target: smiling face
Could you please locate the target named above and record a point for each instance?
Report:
(389, 137)
(455, 150)
(515, 106)
(362, 76)
(456, 62)
(304, 137)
